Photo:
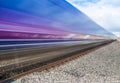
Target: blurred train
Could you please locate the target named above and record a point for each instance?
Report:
(46, 19)
(10, 30)
(50, 35)
(25, 24)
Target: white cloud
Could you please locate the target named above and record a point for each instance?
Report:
(117, 34)
(104, 12)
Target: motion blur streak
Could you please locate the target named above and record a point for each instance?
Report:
(20, 44)
(46, 19)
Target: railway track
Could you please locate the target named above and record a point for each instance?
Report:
(45, 60)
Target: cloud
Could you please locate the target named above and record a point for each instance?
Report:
(104, 12)
(117, 34)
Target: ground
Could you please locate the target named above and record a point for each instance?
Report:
(100, 66)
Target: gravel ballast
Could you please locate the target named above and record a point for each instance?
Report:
(100, 66)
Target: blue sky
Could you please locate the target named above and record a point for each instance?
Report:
(104, 12)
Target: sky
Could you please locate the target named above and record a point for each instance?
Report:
(104, 12)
